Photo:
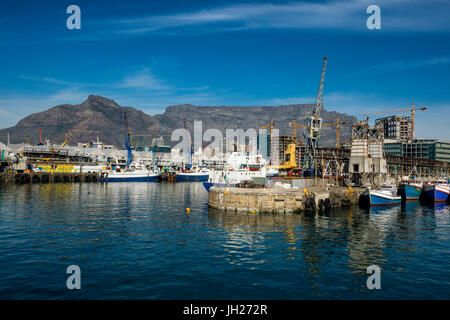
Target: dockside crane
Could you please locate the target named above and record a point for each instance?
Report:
(312, 132)
(65, 142)
(413, 110)
(128, 141)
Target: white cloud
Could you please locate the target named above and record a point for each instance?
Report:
(143, 79)
(341, 15)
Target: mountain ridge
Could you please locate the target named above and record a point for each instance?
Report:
(103, 117)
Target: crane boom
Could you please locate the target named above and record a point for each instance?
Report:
(312, 132)
(412, 110)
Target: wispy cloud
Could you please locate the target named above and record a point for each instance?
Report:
(407, 65)
(397, 15)
(143, 79)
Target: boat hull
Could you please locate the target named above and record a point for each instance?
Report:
(410, 192)
(191, 177)
(437, 193)
(381, 199)
(134, 178)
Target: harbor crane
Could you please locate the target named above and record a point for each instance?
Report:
(65, 142)
(312, 132)
(338, 123)
(128, 141)
(413, 110)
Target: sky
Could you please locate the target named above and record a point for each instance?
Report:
(152, 54)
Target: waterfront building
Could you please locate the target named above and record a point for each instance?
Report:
(419, 148)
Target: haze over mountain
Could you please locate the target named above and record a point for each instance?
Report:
(103, 118)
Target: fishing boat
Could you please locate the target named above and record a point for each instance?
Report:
(410, 189)
(192, 175)
(437, 191)
(385, 196)
(238, 168)
(133, 173)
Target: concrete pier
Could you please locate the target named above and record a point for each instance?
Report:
(46, 177)
(282, 200)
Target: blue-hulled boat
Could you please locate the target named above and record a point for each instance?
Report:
(384, 198)
(133, 176)
(201, 175)
(437, 192)
(410, 189)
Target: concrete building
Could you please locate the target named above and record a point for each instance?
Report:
(419, 148)
(399, 128)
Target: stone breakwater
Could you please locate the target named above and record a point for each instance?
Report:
(282, 200)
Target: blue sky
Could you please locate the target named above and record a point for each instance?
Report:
(152, 54)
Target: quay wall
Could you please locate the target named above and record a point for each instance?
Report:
(282, 200)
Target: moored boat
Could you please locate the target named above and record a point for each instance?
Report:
(239, 168)
(437, 192)
(383, 198)
(199, 175)
(410, 189)
(134, 173)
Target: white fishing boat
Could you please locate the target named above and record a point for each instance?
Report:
(134, 173)
(239, 168)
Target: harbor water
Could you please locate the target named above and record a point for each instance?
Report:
(136, 241)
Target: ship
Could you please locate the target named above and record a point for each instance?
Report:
(133, 173)
(437, 191)
(410, 189)
(385, 196)
(239, 168)
(200, 174)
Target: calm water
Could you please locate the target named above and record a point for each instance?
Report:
(135, 241)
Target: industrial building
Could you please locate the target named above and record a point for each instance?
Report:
(419, 148)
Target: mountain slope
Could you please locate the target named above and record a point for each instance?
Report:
(102, 117)
(97, 116)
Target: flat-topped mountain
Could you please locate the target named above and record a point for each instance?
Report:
(103, 118)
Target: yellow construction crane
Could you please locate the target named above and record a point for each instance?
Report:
(337, 124)
(413, 110)
(294, 126)
(270, 126)
(65, 142)
(28, 140)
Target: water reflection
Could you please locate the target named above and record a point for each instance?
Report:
(347, 240)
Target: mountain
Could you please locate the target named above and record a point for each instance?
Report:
(103, 118)
(96, 117)
(223, 118)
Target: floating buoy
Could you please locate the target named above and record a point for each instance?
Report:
(188, 210)
(226, 192)
(306, 192)
(253, 212)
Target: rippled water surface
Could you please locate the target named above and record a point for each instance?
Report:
(135, 241)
